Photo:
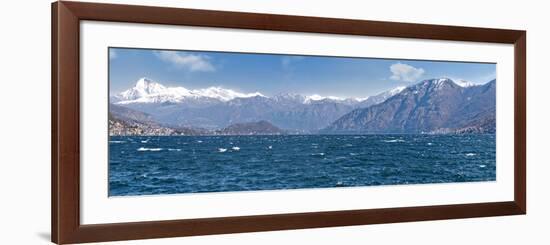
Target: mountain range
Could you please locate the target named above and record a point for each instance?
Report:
(430, 106)
(216, 107)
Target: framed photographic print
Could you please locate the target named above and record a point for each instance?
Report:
(177, 122)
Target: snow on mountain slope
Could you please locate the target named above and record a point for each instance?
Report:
(224, 94)
(316, 97)
(379, 98)
(149, 91)
(395, 91)
(464, 83)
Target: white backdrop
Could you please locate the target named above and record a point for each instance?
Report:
(25, 97)
(97, 208)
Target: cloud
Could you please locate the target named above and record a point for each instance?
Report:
(112, 54)
(404, 72)
(184, 60)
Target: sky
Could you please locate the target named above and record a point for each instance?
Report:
(272, 74)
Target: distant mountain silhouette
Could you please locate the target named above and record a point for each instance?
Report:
(252, 128)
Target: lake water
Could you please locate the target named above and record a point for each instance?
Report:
(186, 164)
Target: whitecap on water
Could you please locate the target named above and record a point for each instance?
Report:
(144, 141)
(270, 147)
(352, 154)
(222, 150)
(394, 140)
(170, 149)
(482, 165)
(470, 154)
(116, 141)
(199, 141)
(318, 154)
(235, 148)
(430, 143)
(149, 149)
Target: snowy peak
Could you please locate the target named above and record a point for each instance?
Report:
(316, 97)
(143, 87)
(224, 94)
(148, 85)
(464, 83)
(437, 81)
(149, 91)
(433, 85)
(448, 81)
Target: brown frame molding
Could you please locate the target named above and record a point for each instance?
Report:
(66, 17)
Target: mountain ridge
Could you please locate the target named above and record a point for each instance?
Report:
(147, 90)
(180, 107)
(434, 105)
(177, 107)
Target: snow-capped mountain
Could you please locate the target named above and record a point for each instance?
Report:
(435, 105)
(149, 91)
(217, 107)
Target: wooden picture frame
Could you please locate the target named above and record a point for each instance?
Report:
(65, 175)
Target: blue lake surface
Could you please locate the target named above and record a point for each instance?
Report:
(188, 164)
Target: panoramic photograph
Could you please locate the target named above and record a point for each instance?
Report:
(204, 121)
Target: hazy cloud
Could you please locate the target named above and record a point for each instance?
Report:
(404, 72)
(184, 60)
